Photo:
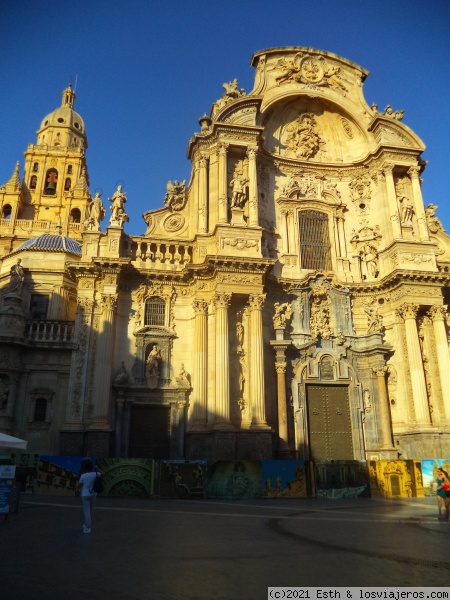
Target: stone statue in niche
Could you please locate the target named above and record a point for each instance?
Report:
(320, 313)
(118, 216)
(282, 312)
(152, 367)
(369, 261)
(238, 194)
(122, 376)
(434, 224)
(406, 206)
(175, 197)
(17, 277)
(301, 138)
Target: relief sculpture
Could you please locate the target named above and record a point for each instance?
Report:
(301, 138)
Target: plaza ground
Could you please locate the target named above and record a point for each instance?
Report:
(206, 549)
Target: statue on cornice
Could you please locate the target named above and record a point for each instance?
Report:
(118, 216)
(231, 93)
(398, 114)
(282, 312)
(17, 277)
(434, 224)
(97, 213)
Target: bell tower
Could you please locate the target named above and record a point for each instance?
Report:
(55, 181)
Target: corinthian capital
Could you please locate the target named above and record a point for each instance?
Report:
(414, 171)
(381, 371)
(252, 151)
(256, 302)
(280, 367)
(437, 313)
(408, 311)
(109, 302)
(222, 300)
(200, 307)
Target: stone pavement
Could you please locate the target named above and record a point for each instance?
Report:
(206, 549)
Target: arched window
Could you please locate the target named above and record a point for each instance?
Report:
(40, 410)
(6, 211)
(75, 215)
(51, 179)
(36, 168)
(155, 311)
(315, 250)
(33, 182)
(67, 184)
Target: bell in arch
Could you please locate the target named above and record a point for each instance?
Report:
(50, 185)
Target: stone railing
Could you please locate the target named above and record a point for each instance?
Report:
(162, 255)
(50, 331)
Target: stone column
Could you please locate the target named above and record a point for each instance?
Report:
(392, 201)
(291, 231)
(341, 233)
(203, 195)
(223, 188)
(256, 367)
(252, 187)
(385, 421)
(103, 362)
(79, 365)
(222, 416)
(284, 231)
(421, 408)
(413, 172)
(200, 388)
(438, 316)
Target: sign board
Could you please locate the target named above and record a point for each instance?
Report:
(7, 473)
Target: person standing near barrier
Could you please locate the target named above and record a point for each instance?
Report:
(86, 482)
(442, 489)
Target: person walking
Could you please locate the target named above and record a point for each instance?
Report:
(442, 489)
(88, 495)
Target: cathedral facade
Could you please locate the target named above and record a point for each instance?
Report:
(289, 301)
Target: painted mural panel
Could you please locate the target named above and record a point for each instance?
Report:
(341, 479)
(182, 479)
(134, 477)
(396, 478)
(284, 479)
(429, 472)
(234, 480)
(58, 475)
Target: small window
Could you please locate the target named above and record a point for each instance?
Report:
(67, 184)
(36, 168)
(33, 182)
(40, 410)
(69, 169)
(39, 306)
(75, 215)
(155, 311)
(6, 211)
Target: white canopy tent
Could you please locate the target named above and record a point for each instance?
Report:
(7, 441)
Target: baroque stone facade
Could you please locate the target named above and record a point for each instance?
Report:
(290, 301)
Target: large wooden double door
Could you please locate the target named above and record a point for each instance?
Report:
(329, 423)
(149, 432)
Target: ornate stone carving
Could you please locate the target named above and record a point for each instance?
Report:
(437, 313)
(320, 313)
(301, 138)
(365, 234)
(109, 302)
(360, 192)
(282, 312)
(346, 126)
(240, 243)
(256, 301)
(200, 307)
(231, 93)
(122, 376)
(174, 223)
(280, 367)
(416, 257)
(310, 71)
(175, 198)
(374, 320)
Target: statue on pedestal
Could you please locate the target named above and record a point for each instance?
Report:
(17, 278)
(118, 216)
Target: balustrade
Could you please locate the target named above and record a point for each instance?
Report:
(50, 331)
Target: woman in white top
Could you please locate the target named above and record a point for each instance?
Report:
(88, 495)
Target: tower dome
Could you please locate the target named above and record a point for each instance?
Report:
(64, 126)
(48, 242)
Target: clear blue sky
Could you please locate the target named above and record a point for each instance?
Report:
(148, 70)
